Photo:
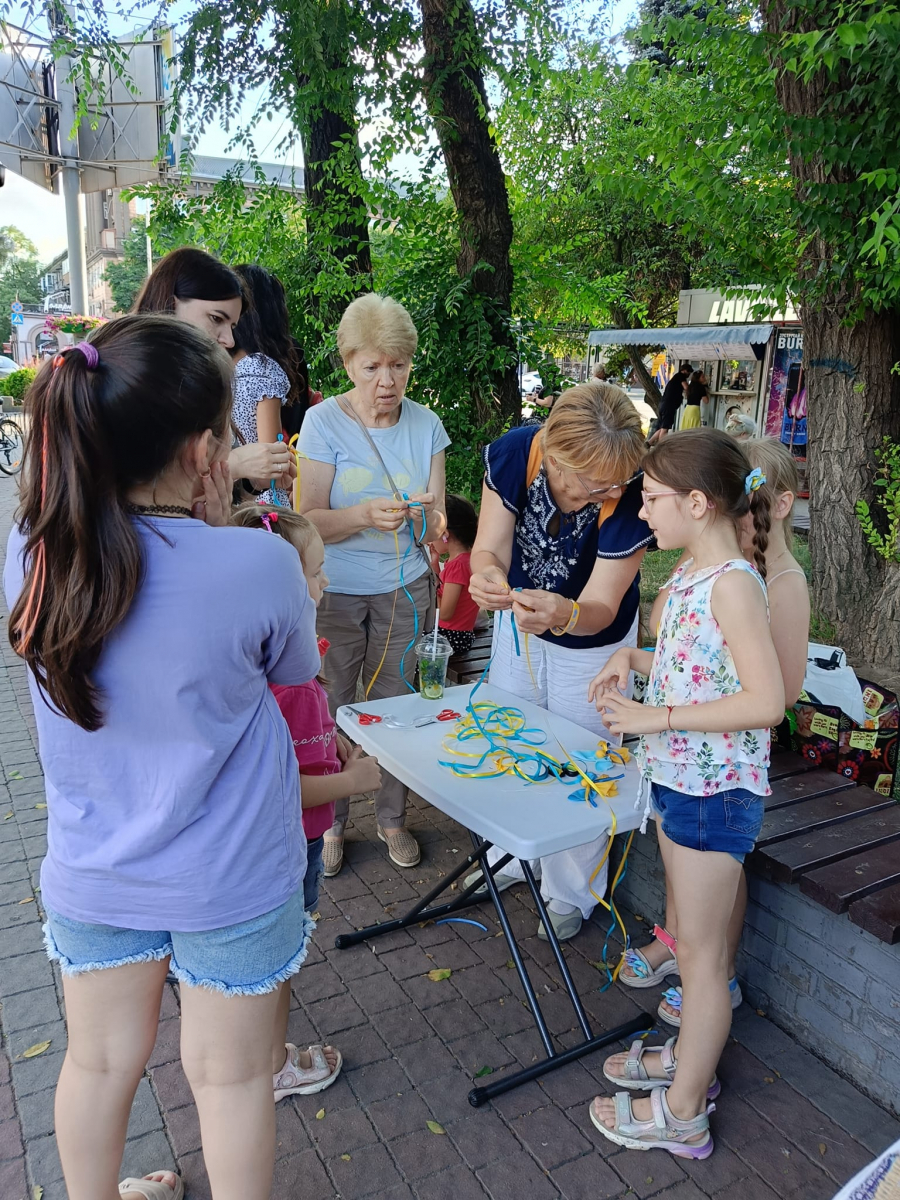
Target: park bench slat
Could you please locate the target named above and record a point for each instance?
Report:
(786, 763)
(879, 914)
(471, 676)
(789, 789)
(838, 886)
(786, 861)
(808, 815)
(467, 669)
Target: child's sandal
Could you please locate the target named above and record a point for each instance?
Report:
(672, 997)
(150, 1189)
(637, 1078)
(642, 974)
(662, 1132)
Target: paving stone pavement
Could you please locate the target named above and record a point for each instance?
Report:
(787, 1128)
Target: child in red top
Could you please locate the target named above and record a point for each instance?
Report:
(458, 611)
(330, 769)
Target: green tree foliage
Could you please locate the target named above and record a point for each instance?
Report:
(793, 157)
(589, 249)
(20, 275)
(126, 276)
(17, 383)
(14, 244)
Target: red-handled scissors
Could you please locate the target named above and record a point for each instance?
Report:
(448, 715)
(363, 717)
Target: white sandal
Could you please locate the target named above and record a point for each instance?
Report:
(672, 997)
(662, 1132)
(642, 974)
(637, 1078)
(151, 1189)
(294, 1080)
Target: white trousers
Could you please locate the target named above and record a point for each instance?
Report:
(561, 678)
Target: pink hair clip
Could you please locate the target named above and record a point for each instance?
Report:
(267, 519)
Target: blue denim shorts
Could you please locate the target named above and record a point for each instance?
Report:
(728, 822)
(247, 959)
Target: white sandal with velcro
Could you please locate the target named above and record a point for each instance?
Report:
(150, 1189)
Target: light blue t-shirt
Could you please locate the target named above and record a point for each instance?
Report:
(182, 812)
(365, 564)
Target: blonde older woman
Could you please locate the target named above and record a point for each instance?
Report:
(362, 445)
(559, 545)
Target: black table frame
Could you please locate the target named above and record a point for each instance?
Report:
(422, 912)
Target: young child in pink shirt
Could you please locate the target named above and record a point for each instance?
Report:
(330, 768)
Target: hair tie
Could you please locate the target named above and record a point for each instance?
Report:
(267, 519)
(92, 358)
(90, 353)
(754, 481)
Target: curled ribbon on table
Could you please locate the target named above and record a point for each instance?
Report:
(754, 481)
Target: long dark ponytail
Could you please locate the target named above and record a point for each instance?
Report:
(711, 462)
(265, 327)
(104, 418)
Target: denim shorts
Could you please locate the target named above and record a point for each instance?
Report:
(728, 822)
(247, 959)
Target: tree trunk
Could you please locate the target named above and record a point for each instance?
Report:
(456, 99)
(636, 358)
(333, 183)
(651, 392)
(337, 218)
(854, 400)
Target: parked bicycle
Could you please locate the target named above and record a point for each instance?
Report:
(12, 441)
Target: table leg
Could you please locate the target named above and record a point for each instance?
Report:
(420, 911)
(554, 1060)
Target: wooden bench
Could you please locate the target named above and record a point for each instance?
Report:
(469, 667)
(840, 842)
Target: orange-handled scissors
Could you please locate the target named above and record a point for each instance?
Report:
(364, 718)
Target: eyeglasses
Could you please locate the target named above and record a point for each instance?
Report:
(609, 490)
(650, 496)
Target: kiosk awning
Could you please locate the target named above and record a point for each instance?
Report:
(703, 342)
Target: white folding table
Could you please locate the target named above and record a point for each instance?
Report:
(527, 820)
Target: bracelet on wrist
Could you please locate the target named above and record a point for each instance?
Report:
(561, 630)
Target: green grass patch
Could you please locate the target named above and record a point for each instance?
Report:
(658, 565)
(656, 568)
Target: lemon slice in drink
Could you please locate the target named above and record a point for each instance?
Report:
(432, 691)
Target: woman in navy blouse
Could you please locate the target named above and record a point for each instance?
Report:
(559, 545)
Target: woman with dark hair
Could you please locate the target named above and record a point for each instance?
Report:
(196, 288)
(152, 630)
(697, 394)
(266, 368)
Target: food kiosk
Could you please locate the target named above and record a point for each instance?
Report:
(753, 363)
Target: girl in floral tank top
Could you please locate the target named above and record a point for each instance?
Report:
(693, 665)
(715, 691)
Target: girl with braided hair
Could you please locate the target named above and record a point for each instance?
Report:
(715, 689)
(788, 594)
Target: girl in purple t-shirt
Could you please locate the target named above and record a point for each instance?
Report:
(152, 630)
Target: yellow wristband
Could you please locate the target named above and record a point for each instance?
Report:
(561, 630)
